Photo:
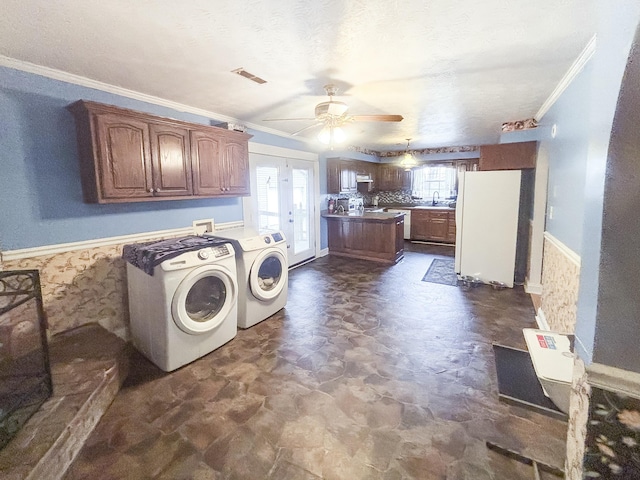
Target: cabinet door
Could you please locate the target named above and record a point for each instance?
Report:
(333, 175)
(348, 183)
(125, 160)
(236, 168)
(438, 226)
(385, 177)
(171, 160)
(420, 225)
(207, 163)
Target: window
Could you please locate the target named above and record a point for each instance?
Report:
(268, 200)
(429, 179)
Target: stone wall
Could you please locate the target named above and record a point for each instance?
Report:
(560, 283)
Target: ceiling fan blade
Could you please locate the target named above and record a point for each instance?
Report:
(306, 128)
(286, 119)
(377, 118)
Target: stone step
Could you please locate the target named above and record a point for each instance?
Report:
(88, 366)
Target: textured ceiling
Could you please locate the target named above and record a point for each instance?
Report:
(456, 70)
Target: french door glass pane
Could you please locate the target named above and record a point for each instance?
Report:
(301, 240)
(268, 198)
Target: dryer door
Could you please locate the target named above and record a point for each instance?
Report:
(204, 299)
(268, 275)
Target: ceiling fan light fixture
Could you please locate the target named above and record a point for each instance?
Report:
(330, 135)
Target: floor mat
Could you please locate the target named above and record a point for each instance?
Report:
(518, 383)
(441, 271)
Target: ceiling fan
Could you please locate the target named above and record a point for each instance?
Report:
(334, 114)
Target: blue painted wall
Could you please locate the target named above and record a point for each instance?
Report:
(583, 116)
(568, 160)
(40, 189)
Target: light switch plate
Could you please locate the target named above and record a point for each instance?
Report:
(201, 227)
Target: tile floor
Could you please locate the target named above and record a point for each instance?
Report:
(368, 373)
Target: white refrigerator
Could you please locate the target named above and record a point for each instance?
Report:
(487, 225)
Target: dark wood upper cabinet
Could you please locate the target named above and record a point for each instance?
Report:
(171, 160)
(206, 156)
(341, 176)
(123, 159)
(129, 156)
(508, 156)
(236, 167)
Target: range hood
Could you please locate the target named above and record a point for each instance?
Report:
(363, 179)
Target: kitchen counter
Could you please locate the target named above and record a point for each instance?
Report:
(359, 214)
(376, 236)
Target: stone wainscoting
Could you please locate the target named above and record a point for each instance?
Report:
(560, 284)
(85, 282)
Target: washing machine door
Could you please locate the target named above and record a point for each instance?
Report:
(268, 275)
(204, 299)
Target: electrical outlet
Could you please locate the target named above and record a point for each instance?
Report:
(201, 227)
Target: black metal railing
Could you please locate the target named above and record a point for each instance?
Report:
(25, 373)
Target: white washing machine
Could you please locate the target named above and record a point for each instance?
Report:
(263, 274)
(187, 308)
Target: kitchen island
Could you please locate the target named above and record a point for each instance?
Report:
(376, 236)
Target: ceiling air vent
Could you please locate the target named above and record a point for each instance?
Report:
(243, 73)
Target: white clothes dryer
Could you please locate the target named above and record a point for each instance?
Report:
(187, 308)
(263, 274)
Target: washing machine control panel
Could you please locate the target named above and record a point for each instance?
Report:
(277, 237)
(220, 251)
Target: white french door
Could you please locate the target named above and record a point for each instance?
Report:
(282, 199)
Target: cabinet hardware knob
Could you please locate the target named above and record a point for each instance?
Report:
(151, 190)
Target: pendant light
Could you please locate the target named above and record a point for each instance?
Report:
(408, 160)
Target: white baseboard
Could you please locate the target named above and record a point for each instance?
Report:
(323, 253)
(532, 288)
(541, 320)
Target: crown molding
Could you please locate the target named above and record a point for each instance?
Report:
(124, 92)
(571, 74)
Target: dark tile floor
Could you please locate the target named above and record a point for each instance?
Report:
(368, 373)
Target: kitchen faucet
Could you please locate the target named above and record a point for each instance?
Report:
(433, 200)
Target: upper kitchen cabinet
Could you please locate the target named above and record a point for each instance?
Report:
(341, 176)
(393, 177)
(508, 156)
(171, 161)
(220, 163)
(129, 156)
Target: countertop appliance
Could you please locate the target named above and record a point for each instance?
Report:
(487, 225)
(350, 204)
(407, 220)
(187, 308)
(263, 273)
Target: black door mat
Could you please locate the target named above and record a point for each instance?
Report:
(518, 383)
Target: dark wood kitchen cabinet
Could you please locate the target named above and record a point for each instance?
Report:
(129, 156)
(508, 156)
(341, 176)
(219, 164)
(377, 237)
(393, 177)
(171, 160)
(432, 225)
